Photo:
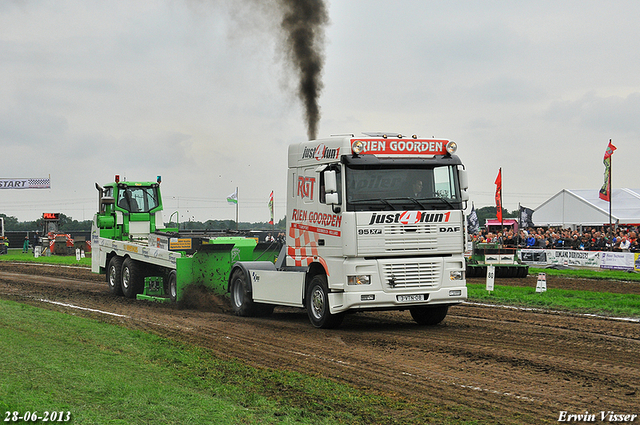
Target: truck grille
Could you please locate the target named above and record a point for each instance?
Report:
(422, 238)
(411, 275)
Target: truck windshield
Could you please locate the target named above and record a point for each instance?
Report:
(138, 198)
(384, 187)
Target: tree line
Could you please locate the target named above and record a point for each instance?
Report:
(486, 213)
(68, 224)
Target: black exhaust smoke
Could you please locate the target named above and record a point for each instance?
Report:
(303, 24)
(300, 25)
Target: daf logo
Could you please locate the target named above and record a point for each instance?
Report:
(449, 229)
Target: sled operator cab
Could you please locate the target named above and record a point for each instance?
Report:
(129, 210)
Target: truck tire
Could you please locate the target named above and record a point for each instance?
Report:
(241, 301)
(114, 275)
(429, 316)
(132, 278)
(317, 303)
(173, 285)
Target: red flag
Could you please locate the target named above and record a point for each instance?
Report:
(609, 151)
(605, 191)
(499, 196)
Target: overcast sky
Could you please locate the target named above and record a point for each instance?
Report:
(197, 92)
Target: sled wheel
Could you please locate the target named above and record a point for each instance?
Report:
(173, 286)
(114, 275)
(132, 278)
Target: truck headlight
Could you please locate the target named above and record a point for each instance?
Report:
(456, 275)
(359, 280)
(452, 147)
(455, 292)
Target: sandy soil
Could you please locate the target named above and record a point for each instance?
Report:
(491, 364)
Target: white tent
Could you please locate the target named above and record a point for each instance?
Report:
(570, 208)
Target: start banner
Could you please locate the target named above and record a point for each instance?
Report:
(35, 183)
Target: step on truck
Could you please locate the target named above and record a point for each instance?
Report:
(373, 223)
(142, 258)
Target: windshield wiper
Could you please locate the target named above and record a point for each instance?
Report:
(406, 198)
(437, 198)
(419, 202)
(364, 201)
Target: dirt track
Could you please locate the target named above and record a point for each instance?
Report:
(492, 364)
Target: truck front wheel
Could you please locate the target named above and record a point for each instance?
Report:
(429, 315)
(114, 275)
(132, 278)
(317, 303)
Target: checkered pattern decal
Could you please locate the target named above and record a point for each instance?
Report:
(305, 248)
(39, 183)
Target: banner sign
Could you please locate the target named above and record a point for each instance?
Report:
(617, 260)
(533, 256)
(559, 257)
(573, 258)
(627, 261)
(25, 183)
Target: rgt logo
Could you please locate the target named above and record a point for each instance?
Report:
(305, 186)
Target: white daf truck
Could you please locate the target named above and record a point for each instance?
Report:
(373, 223)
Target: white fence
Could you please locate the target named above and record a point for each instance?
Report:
(627, 261)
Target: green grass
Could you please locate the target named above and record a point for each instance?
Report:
(16, 254)
(106, 374)
(625, 305)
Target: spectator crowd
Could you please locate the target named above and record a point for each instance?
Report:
(623, 239)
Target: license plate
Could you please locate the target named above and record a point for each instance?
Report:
(410, 298)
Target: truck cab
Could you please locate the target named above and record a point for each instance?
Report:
(373, 223)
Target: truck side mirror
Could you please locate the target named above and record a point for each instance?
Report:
(332, 198)
(464, 179)
(331, 190)
(330, 183)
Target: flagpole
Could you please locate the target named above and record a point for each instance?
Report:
(501, 215)
(237, 206)
(610, 200)
(519, 223)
